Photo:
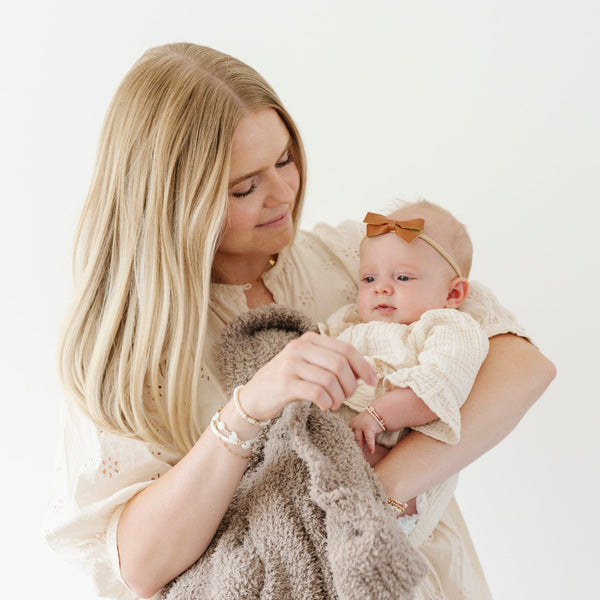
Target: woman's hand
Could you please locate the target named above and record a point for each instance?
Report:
(193, 496)
(312, 367)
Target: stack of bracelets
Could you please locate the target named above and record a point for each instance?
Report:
(376, 417)
(231, 438)
(399, 507)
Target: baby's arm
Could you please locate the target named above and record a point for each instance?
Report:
(450, 348)
(453, 348)
(402, 409)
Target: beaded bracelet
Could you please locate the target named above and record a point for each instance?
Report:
(376, 416)
(399, 507)
(229, 437)
(243, 413)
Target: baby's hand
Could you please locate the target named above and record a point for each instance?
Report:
(365, 428)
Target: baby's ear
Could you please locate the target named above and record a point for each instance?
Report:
(459, 288)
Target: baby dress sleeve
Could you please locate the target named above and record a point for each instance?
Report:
(450, 349)
(97, 474)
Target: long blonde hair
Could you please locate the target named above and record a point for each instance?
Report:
(147, 238)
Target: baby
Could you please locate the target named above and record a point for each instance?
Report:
(414, 266)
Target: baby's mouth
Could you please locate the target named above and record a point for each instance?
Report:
(385, 308)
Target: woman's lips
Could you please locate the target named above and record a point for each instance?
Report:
(277, 221)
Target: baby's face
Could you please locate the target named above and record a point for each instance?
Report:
(398, 281)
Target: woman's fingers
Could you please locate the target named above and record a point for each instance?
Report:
(335, 356)
(356, 361)
(312, 367)
(304, 390)
(324, 380)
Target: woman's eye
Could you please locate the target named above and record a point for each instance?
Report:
(285, 160)
(244, 193)
(403, 278)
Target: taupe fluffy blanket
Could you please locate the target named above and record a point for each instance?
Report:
(309, 520)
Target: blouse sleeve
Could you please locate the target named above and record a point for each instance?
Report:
(97, 474)
(484, 307)
(343, 241)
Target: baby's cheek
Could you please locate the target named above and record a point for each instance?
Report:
(362, 302)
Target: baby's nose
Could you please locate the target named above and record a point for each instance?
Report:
(383, 288)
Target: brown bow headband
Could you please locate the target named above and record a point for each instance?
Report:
(408, 230)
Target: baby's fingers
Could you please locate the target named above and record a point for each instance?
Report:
(370, 440)
(358, 436)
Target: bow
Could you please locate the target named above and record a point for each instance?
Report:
(408, 230)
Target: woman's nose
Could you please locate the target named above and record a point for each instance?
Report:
(280, 191)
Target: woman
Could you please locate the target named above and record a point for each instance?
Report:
(190, 220)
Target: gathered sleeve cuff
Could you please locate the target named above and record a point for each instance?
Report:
(97, 474)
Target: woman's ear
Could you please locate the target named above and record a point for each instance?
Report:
(459, 288)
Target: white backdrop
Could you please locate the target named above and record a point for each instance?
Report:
(487, 107)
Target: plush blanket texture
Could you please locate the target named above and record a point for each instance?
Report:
(309, 520)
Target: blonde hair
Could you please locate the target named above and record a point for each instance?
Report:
(148, 235)
(449, 232)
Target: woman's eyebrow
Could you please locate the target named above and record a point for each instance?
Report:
(253, 173)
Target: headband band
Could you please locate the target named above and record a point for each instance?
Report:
(408, 230)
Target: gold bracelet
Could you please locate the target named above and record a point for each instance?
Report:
(399, 507)
(376, 416)
(242, 456)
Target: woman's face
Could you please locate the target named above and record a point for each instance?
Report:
(263, 184)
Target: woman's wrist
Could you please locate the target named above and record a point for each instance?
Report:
(230, 438)
(398, 506)
(240, 409)
(233, 420)
(255, 403)
(235, 440)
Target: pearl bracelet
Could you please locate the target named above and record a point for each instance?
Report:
(229, 437)
(243, 413)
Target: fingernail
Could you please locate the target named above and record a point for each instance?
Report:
(373, 379)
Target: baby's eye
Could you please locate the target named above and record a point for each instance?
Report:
(368, 279)
(403, 278)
